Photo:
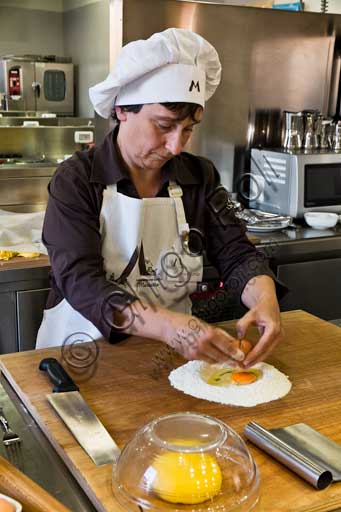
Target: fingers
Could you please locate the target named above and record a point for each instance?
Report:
(227, 345)
(272, 335)
(244, 323)
(218, 346)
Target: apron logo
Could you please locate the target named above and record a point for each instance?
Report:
(195, 86)
(145, 265)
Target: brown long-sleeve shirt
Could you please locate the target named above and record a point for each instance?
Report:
(72, 237)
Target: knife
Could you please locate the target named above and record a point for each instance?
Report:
(77, 415)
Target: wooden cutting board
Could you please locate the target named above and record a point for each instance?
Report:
(126, 391)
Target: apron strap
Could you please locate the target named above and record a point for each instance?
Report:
(114, 189)
(175, 192)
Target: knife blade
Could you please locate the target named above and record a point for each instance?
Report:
(77, 415)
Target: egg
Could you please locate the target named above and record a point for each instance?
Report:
(245, 346)
(217, 375)
(187, 478)
(5, 506)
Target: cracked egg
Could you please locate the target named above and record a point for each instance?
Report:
(219, 375)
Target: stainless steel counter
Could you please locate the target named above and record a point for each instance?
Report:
(301, 244)
(36, 457)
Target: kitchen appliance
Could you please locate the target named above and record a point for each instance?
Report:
(37, 83)
(294, 130)
(311, 135)
(292, 183)
(186, 462)
(324, 131)
(305, 130)
(77, 415)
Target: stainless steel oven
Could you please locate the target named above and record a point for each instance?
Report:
(37, 85)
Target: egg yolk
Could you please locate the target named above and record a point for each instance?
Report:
(242, 378)
(5, 506)
(187, 478)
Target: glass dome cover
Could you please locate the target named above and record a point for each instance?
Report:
(186, 462)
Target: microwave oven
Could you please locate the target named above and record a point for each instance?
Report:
(292, 183)
(37, 85)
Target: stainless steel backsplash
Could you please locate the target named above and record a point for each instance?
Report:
(272, 61)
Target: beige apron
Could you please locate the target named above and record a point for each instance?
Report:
(144, 251)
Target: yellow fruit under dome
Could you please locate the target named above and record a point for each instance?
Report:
(187, 478)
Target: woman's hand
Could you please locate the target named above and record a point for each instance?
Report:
(264, 313)
(195, 339)
(188, 335)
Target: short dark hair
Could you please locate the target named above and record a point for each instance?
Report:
(183, 109)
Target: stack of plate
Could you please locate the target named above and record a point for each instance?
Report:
(262, 222)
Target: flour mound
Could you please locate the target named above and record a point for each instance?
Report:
(272, 385)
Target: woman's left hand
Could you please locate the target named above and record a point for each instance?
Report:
(265, 314)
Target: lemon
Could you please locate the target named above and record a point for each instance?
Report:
(187, 478)
(7, 255)
(29, 254)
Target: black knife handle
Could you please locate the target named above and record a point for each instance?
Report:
(58, 375)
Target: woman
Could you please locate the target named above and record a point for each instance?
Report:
(119, 217)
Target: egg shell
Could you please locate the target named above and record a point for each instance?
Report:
(245, 346)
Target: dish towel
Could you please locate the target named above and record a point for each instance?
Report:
(21, 232)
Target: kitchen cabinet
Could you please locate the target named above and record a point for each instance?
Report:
(8, 338)
(314, 286)
(24, 285)
(21, 314)
(29, 307)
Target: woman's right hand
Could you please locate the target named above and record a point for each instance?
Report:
(191, 337)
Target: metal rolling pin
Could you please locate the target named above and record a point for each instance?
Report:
(311, 470)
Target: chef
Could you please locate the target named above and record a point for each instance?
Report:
(121, 216)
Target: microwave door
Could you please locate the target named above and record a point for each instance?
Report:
(19, 80)
(54, 87)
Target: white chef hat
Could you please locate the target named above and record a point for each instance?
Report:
(176, 65)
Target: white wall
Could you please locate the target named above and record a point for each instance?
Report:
(86, 40)
(41, 5)
(30, 31)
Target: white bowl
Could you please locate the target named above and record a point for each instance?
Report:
(16, 504)
(321, 220)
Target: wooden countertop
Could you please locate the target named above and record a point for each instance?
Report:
(21, 263)
(125, 392)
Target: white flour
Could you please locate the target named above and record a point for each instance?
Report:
(272, 385)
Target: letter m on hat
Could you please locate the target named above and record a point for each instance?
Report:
(194, 85)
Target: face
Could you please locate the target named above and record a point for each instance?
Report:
(152, 136)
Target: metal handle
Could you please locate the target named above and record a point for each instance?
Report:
(58, 375)
(3, 422)
(36, 86)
